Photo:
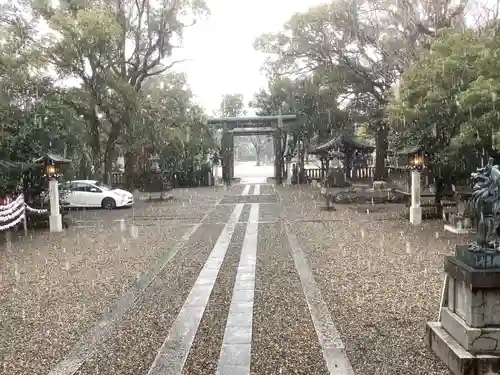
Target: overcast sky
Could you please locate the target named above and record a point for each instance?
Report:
(222, 47)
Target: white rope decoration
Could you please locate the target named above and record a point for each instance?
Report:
(12, 223)
(13, 215)
(35, 210)
(15, 203)
(12, 208)
(14, 212)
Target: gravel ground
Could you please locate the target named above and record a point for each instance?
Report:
(55, 286)
(221, 215)
(265, 199)
(210, 194)
(245, 214)
(268, 212)
(381, 279)
(204, 355)
(141, 333)
(266, 189)
(306, 204)
(187, 206)
(235, 189)
(284, 340)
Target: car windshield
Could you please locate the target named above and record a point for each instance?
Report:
(102, 186)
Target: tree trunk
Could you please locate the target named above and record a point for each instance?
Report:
(440, 187)
(381, 148)
(130, 169)
(108, 165)
(306, 147)
(110, 154)
(84, 170)
(97, 161)
(257, 154)
(97, 169)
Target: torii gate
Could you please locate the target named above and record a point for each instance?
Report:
(247, 126)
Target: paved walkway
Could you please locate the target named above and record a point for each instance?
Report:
(220, 281)
(235, 296)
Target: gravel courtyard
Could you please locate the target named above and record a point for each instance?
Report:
(53, 287)
(379, 276)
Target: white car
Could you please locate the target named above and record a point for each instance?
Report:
(92, 193)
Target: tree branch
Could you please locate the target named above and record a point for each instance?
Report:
(145, 75)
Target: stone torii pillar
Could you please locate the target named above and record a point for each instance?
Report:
(227, 146)
(231, 156)
(278, 158)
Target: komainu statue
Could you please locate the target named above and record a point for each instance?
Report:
(485, 208)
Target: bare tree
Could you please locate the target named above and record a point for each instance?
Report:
(258, 143)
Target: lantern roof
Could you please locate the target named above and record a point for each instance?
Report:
(410, 151)
(50, 158)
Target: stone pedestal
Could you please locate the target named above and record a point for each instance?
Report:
(416, 215)
(467, 339)
(415, 209)
(55, 218)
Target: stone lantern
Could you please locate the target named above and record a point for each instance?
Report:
(416, 165)
(52, 164)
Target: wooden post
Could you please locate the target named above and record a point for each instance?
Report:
(8, 239)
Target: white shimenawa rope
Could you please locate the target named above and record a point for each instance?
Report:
(12, 223)
(16, 211)
(12, 204)
(36, 210)
(12, 215)
(13, 208)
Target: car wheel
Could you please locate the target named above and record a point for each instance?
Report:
(108, 203)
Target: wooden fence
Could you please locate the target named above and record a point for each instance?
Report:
(360, 173)
(315, 173)
(117, 179)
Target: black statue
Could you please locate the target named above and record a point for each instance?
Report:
(485, 207)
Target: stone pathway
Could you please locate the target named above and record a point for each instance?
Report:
(244, 286)
(236, 297)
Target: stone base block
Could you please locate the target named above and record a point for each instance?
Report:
(474, 340)
(474, 292)
(55, 223)
(416, 215)
(455, 357)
